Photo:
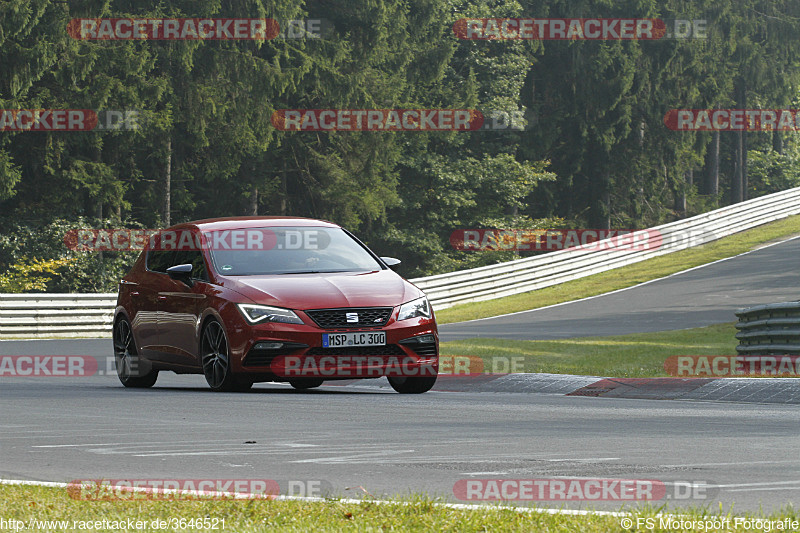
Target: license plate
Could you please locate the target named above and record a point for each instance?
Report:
(362, 338)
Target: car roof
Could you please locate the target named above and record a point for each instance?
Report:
(228, 223)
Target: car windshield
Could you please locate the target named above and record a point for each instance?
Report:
(286, 250)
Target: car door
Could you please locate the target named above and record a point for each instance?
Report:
(179, 309)
(146, 302)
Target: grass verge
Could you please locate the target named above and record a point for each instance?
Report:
(626, 276)
(622, 356)
(27, 503)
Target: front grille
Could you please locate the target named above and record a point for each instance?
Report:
(389, 349)
(368, 317)
(425, 349)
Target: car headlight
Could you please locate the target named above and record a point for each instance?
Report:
(415, 308)
(264, 313)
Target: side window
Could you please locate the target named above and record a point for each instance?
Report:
(159, 260)
(194, 258)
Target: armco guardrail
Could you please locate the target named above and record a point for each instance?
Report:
(771, 329)
(32, 315)
(523, 275)
(74, 315)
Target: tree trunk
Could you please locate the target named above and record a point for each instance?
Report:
(679, 194)
(605, 208)
(254, 201)
(284, 191)
(98, 158)
(712, 166)
(739, 185)
(688, 182)
(736, 185)
(166, 207)
(745, 181)
(777, 142)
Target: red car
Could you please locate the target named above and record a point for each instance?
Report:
(252, 299)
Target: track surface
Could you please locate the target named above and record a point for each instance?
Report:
(699, 297)
(60, 429)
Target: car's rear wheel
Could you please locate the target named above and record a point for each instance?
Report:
(216, 361)
(126, 357)
(305, 383)
(412, 385)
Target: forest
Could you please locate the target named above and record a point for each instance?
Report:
(187, 126)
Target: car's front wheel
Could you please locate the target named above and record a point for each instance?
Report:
(126, 357)
(216, 360)
(412, 385)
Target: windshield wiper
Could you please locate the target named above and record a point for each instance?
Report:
(314, 271)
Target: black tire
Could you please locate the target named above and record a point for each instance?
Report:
(216, 361)
(415, 385)
(130, 368)
(305, 383)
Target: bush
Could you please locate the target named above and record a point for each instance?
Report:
(770, 171)
(34, 258)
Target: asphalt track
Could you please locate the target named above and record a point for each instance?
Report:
(699, 297)
(358, 441)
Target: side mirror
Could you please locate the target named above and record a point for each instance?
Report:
(390, 261)
(181, 273)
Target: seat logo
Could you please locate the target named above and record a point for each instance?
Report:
(352, 318)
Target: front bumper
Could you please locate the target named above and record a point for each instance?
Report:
(274, 351)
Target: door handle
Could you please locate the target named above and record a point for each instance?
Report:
(135, 293)
(162, 297)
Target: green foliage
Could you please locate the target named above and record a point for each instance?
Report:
(31, 275)
(9, 175)
(594, 152)
(35, 257)
(771, 171)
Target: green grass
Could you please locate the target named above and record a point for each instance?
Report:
(626, 276)
(636, 355)
(417, 514)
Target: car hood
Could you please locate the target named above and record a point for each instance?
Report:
(381, 288)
